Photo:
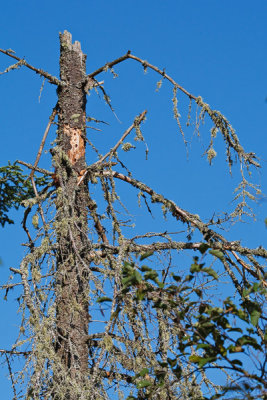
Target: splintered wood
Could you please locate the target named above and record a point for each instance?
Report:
(77, 143)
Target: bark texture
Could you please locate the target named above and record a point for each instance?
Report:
(71, 222)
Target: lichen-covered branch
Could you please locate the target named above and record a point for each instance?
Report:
(52, 79)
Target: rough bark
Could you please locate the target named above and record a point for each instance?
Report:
(71, 221)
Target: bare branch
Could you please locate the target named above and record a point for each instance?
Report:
(14, 352)
(52, 79)
(51, 119)
(137, 121)
(109, 65)
(194, 220)
(218, 119)
(35, 168)
(99, 227)
(128, 55)
(11, 377)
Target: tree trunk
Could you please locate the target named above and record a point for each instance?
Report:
(71, 223)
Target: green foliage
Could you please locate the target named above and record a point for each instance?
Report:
(210, 334)
(14, 188)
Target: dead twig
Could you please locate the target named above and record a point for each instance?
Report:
(99, 227)
(30, 166)
(52, 79)
(92, 83)
(248, 268)
(14, 352)
(137, 121)
(51, 119)
(26, 213)
(11, 377)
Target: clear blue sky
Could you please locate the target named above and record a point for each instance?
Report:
(214, 49)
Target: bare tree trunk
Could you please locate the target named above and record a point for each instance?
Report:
(71, 222)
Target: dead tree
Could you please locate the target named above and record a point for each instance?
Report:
(72, 258)
(163, 330)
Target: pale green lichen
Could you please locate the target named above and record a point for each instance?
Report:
(159, 84)
(138, 134)
(134, 335)
(176, 113)
(35, 221)
(127, 146)
(211, 154)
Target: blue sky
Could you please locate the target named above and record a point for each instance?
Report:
(212, 48)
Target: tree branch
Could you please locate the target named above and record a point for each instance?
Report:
(35, 168)
(51, 119)
(209, 235)
(136, 122)
(220, 122)
(52, 79)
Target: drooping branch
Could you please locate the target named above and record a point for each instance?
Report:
(245, 191)
(215, 240)
(220, 122)
(145, 64)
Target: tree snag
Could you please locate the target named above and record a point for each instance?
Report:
(158, 323)
(71, 220)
